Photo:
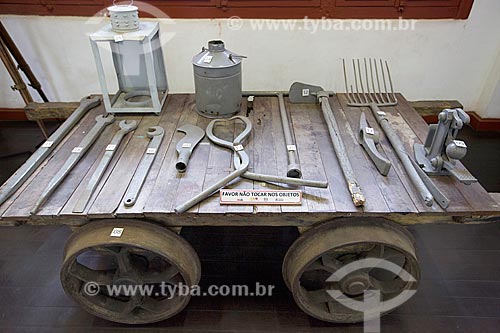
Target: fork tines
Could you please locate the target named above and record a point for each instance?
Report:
(372, 83)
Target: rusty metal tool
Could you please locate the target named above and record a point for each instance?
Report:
(126, 126)
(369, 138)
(186, 145)
(76, 155)
(367, 93)
(236, 146)
(306, 93)
(35, 160)
(156, 134)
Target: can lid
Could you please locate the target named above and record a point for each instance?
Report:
(216, 56)
(122, 8)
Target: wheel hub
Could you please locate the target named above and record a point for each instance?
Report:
(355, 283)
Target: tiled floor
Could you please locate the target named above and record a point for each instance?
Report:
(459, 291)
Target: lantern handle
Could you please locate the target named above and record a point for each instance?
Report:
(130, 4)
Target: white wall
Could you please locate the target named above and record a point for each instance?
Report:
(440, 59)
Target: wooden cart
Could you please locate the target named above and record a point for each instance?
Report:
(335, 233)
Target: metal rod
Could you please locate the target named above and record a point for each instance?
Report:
(293, 168)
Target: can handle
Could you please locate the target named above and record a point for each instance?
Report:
(130, 4)
(231, 56)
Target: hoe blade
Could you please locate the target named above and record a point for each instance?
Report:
(303, 93)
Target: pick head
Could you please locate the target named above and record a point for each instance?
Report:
(304, 93)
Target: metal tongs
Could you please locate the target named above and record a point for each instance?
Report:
(241, 163)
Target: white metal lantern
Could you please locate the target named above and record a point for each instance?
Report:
(138, 62)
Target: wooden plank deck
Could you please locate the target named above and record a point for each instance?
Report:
(164, 188)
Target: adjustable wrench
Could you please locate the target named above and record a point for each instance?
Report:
(368, 138)
(76, 155)
(155, 133)
(186, 145)
(27, 169)
(126, 126)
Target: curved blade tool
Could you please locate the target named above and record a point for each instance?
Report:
(76, 155)
(126, 126)
(368, 138)
(186, 145)
(156, 134)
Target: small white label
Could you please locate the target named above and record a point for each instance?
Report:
(460, 143)
(47, 144)
(260, 197)
(250, 98)
(291, 148)
(305, 92)
(151, 151)
(370, 130)
(110, 147)
(117, 232)
(118, 38)
(238, 147)
(381, 113)
(186, 145)
(208, 59)
(77, 150)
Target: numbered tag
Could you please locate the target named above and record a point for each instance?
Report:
(47, 144)
(77, 150)
(370, 130)
(117, 232)
(208, 59)
(186, 145)
(305, 92)
(151, 151)
(381, 113)
(460, 143)
(291, 148)
(110, 147)
(238, 147)
(118, 38)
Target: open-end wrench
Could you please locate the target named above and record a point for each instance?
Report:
(35, 160)
(126, 126)
(155, 133)
(76, 155)
(368, 138)
(186, 145)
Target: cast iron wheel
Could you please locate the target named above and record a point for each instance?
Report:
(146, 255)
(343, 248)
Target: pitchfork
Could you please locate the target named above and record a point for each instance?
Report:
(374, 89)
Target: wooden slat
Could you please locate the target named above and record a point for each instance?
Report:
(476, 196)
(318, 199)
(375, 201)
(168, 121)
(391, 188)
(23, 204)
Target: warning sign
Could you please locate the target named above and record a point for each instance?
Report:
(260, 197)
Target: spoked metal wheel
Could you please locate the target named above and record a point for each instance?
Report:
(333, 268)
(129, 279)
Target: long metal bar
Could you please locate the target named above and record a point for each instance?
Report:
(156, 134)
(35, 160)
(402, 154)
(357, 195)
(293, 169)
(76, 155)
(126, 126)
